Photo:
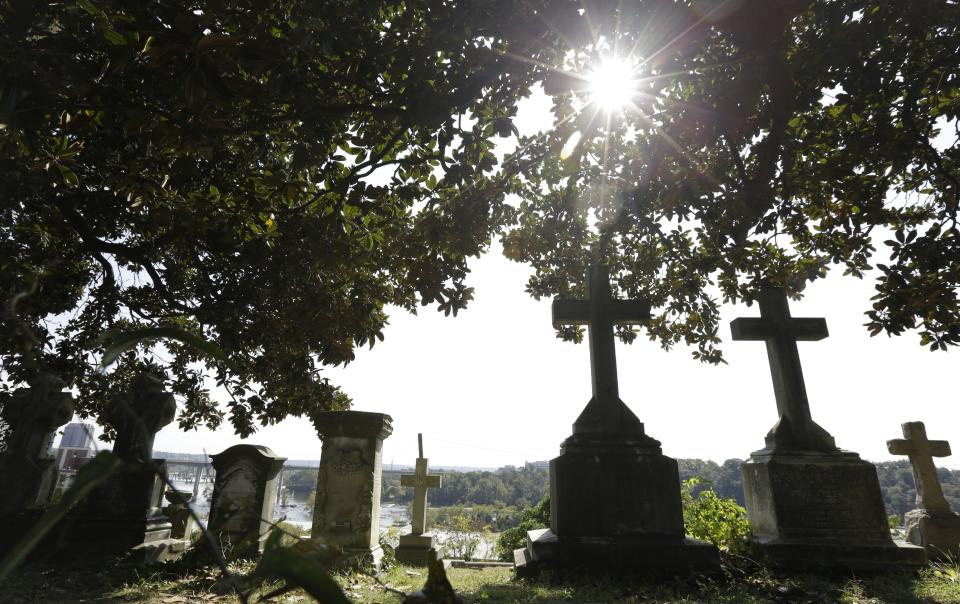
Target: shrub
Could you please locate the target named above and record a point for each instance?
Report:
(720, 521)
(531, 518)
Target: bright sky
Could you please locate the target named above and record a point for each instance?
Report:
(494, 386)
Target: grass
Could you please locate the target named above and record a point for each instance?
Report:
(177, 583)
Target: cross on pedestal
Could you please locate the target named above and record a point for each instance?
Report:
(921, 452)
(796, 429)
(600, 312)
(420, 481)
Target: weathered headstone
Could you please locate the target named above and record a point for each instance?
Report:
(28, 472)
(415, 547)
(244, 496)
(125, 512)
(346, 511)
(933, 525)
(614, 497)
(808, 502)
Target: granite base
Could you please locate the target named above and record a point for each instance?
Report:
(937, 532)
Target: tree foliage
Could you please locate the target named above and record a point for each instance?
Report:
(268, 178)
(767, 141)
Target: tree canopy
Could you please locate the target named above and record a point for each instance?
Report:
(270, 178)
(766, 141)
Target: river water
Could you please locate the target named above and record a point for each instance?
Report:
(297, 512)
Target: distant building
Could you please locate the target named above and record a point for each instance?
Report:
(77, 435)
(537, 465)
(76, 446)
(507, 468)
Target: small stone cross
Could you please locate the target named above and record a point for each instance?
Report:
(420, 481)
(796, 429)
(601, 312)
(921, 452)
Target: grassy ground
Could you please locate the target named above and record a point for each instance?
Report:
(176, 584)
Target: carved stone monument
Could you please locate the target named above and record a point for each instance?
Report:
(808, 502)
(346, 511)
(27, 472)
(614, 496)
(125, 512)
(415, 547)
(933, 525)
(177, 511)
(244, 497)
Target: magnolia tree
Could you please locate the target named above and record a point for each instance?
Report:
(707, 149)
(267, 180)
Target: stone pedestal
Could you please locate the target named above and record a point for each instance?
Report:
(414, 550)
(821, 509)
(346, 512)
(937, 532)
(244, 497)
(182, 524)
(615, 507)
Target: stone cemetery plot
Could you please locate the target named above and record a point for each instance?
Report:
(415, 547)
(614, 497)
(125, 512)
(244, 497)
(808, 502)
(346, 513)
(933, 525)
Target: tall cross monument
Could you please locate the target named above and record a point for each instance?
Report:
(413, 548)
(605, 414)
(614, 496)
(796, 430)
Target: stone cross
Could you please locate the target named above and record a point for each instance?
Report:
(420, 481)
(921, 452)
(138, 418)
(601, 312)
(796, 429)
(27, 473)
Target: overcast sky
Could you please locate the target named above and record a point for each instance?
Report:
(493, 386)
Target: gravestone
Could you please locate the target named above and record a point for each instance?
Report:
(244, 496)
(177, 511)
(346, 511)
(125, 512)
(614, 497)
(933, 525)
(27, 471)
(810, 503)
(415, 547)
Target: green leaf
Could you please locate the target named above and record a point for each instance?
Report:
(123, 341)
(115, 37)
(89, 478)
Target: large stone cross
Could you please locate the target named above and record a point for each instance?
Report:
(601, 312)
(796, 429)
(420, 481)
(921, 452)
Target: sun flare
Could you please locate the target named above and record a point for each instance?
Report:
(613, 84)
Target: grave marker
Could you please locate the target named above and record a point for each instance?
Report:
(933, 525)
(614, 497)
(244, 496)
(414, 548)
(27, 471)
(125, 512)
(808, 502)
(346, 511)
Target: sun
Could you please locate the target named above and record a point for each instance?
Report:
(612, 84)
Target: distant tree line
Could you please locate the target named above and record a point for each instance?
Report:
(523, 487)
